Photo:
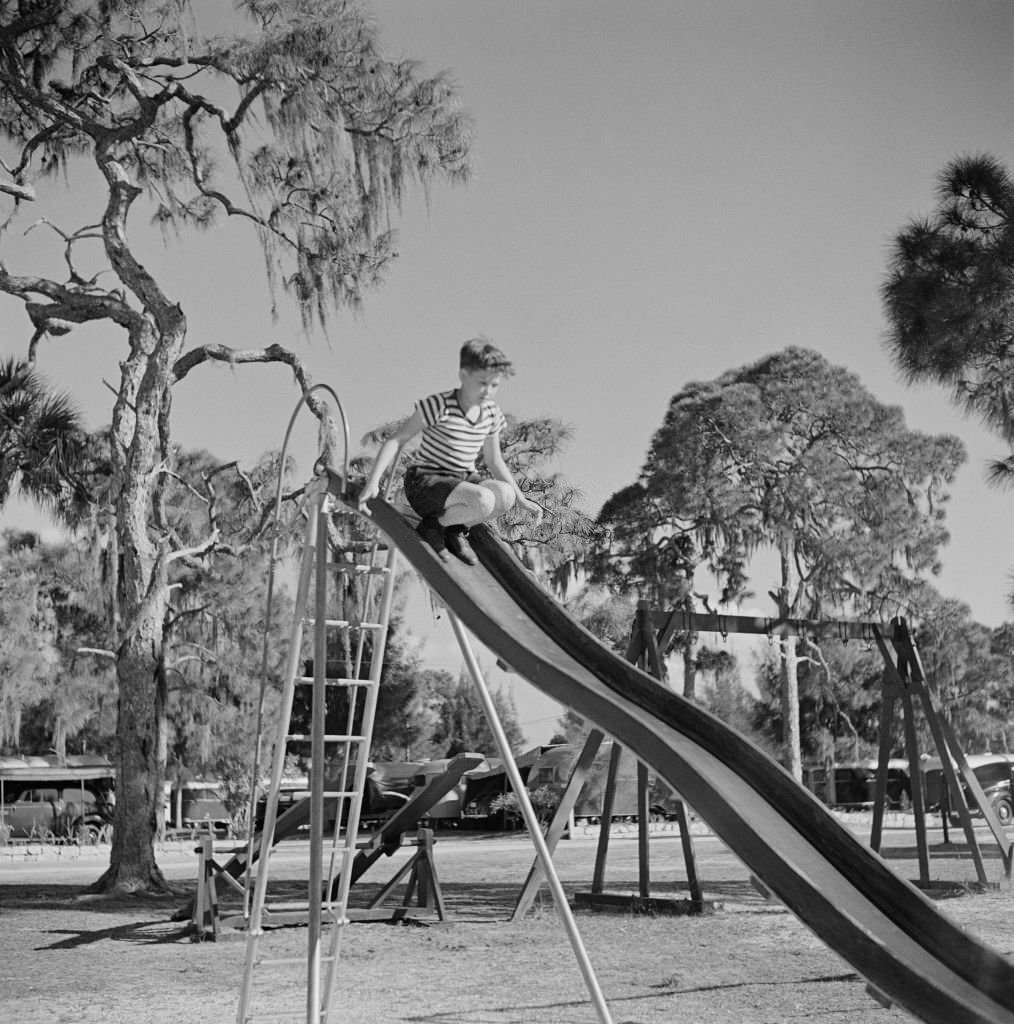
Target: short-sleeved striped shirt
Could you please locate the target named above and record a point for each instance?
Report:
(451, 442)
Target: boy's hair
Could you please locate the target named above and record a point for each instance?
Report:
(481, 354)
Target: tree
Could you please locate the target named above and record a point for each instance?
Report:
(50, 698)
(555, 547)
(299, 129)
(793, 454)
(28, 653)
(221, 649)
(949, 296)
(42, 443)
(723, 692)
(461, 723)
(968, 670)
(638, 553)
(840, 693)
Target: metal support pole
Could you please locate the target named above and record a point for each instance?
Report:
(317, 732)
(531, 820)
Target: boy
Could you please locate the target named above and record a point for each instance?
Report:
(443, 486)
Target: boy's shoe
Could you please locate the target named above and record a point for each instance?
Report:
(432, 533)
(456, 538)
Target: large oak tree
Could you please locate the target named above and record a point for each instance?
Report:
(295, 126)
(792, 454)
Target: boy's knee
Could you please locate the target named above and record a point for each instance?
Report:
(503, 496)
(487, 502)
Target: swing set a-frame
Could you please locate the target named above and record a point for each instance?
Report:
(904, 689)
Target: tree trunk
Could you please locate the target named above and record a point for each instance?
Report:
(791, 746)
(689, 654)
(141, 712)
(60, 739)
(689, 673)
(141, 449)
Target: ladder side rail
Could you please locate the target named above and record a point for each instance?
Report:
(369, 702)
(256, 908)
(344, 879)
(317, 733)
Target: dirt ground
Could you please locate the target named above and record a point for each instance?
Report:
(68, 959)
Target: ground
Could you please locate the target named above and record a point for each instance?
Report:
(70, 959)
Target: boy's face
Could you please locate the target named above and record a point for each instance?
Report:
(480, 385)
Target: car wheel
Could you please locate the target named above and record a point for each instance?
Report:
(86, 832)
(1004, 811)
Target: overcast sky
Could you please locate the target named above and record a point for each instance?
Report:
(663, 191)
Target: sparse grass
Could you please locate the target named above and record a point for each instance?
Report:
(120, 962)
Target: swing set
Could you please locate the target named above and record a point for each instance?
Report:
(904, 688)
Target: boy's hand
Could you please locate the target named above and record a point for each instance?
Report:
(370, 490)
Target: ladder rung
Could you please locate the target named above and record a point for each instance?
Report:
(300, 737)
(341, 793)
(344, 623)
(289, 961)
(275, 1014)
(363, 570)
(370, 545)
(341, 681)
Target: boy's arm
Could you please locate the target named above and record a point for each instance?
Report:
(386, 456)
(499, 471)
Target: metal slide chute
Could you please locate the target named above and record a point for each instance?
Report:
(885, 927)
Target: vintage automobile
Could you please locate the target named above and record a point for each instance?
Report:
(993, 772)
(45, 798)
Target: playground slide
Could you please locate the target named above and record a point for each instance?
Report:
(885, 927)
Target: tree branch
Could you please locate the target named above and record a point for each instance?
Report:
(225, 354)
(19, 192)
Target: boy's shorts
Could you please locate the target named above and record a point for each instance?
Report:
(427, 490)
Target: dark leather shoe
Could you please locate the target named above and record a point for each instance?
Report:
(432, 533)
(456, 538)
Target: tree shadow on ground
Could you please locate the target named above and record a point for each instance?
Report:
(138, 933)
(50, 895)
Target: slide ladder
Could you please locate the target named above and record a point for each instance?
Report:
(338, 761)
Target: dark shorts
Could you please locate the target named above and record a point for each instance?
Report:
(427, 490)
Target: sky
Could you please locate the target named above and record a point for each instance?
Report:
(662, 191)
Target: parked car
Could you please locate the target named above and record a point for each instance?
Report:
(199, 805)
(855, 784)
(46, 796)
(80, 810)
(994, 773)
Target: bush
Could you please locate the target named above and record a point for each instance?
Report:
(544, 800)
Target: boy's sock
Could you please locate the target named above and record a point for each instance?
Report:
(430, 530)
(456, 538)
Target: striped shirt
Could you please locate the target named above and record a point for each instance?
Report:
(451, 442)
